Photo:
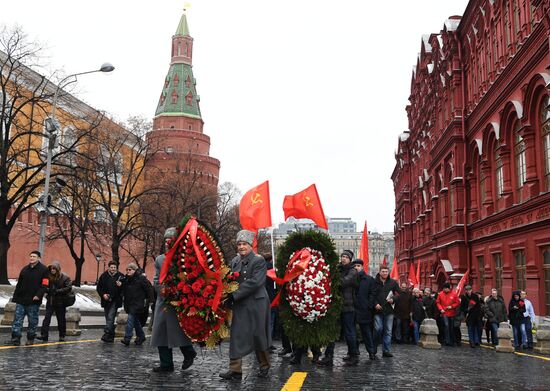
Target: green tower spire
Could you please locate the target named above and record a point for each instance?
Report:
(179, 95)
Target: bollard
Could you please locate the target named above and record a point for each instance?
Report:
(73, 321)
(428, 334)
(505, 338)
(543, 339)
(121, 320)
(9, 314)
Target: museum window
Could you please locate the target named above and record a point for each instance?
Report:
(545, 131)
(519, 154)
(521, 281)
(546, 268)
(482, 181)
(481, 272)
(497, 259)
(499, 172)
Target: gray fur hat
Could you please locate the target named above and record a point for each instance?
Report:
(245, 236)
(170, 233)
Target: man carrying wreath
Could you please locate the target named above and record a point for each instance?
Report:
(250, 323)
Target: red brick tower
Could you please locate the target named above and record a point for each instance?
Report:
(177, 133)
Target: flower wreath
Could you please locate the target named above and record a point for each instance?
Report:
(309, 293)
(310, 300)
(196, 281)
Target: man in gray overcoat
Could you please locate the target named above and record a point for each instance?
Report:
(250, 323)
(167, 332)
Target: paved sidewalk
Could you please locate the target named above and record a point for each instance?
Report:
(93, 365)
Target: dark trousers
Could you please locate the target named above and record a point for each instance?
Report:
(449, 330)
(347, 322)
(61, 322)
(110, 315)
(368, 337)
(402, 327)
(166, 355)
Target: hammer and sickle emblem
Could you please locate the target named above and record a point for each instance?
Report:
(307, 201)
(256, 199)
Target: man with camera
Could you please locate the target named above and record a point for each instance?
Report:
(111, 298)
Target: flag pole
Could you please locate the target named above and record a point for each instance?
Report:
(273, 250)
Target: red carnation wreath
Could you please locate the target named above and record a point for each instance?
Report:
(196, 282)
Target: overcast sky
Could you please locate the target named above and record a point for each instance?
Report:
(294, 92)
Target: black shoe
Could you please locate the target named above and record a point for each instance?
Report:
(61, 339)
(125, 341)
(263, 373)
(188, 360)
(325, 361)
(41, 338)
(139, 341)
(372, 356)
(272, 348)
(387, 354)
(160, 369)
(353, 361)
(347, 358)
(284, 352)
(14, 341)
(315, 358)
(472, 345)
(230, 375)
(295, 360)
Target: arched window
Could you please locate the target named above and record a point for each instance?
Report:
(482, 181)
(545, 131)
(499, 171)
(519, 155)
(451, 198)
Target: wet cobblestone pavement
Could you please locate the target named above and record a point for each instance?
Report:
(93, 365)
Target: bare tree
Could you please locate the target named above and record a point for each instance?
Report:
(25, 98)
(227, 222)
(120, 161)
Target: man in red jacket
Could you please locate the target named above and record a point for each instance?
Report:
(447, 304)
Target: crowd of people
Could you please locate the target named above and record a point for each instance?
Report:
(378, 307)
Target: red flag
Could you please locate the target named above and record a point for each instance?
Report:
(417, 285)
(255, 208)
(305, 205)
(394, 272)
(364, 249)
(412, 276)
(384, 262)
(462, 283)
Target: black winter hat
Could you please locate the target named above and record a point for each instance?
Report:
(358, 262)
(348, 253)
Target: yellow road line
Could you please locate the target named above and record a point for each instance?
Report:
(533, 355)
(294, 382)
(49, 344)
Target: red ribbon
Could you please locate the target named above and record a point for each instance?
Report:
(191, 227)
(290, 274)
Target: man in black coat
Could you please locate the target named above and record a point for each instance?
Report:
(364, 307)
(31, 286)
(470, 306)
(138, 295)
(387, 291)
(111, 298)
(349, 283)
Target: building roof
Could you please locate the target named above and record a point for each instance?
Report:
(183, 28)
(179, 95)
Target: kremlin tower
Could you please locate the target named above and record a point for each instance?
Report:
(177, 133)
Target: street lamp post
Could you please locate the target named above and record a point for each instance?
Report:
(98, 259)
(51, 130)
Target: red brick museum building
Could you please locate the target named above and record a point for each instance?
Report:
(472, 174)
